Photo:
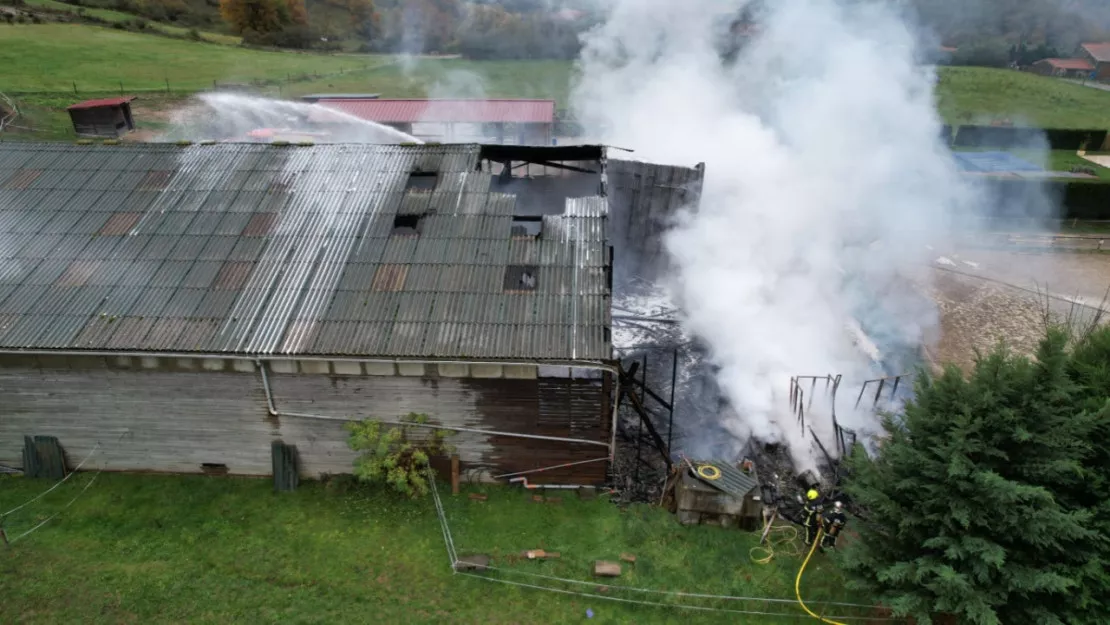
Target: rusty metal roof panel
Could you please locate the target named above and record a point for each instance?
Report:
(260, 249)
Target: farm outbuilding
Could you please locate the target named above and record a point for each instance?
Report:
(1063, 68)
(521, 122)
(182, 307)
(1098, 56)
(106, 117)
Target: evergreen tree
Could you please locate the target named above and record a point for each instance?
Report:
(962, 507)
(1089, 367)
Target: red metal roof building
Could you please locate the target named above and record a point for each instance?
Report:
(506, 121)
(1066, 68)
(1098, 55)
(103, 117)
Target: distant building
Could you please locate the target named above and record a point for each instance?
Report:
(1098, 55)
(316, 97)
(1063, 68)
(519, 122)
(106, 117)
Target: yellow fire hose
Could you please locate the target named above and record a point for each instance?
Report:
(785, 545)
(798, 582)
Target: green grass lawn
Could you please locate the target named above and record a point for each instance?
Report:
(171, 549)
(968, 95)
(454, 77)
(51, 57)
(964, 94)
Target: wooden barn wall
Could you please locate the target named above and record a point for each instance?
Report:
(551, 407)
(166, 420)
(143, 420)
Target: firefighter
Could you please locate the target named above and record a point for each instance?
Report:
(811, 509)
(833, 522)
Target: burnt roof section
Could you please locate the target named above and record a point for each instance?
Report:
(268, 250)
(644, 199)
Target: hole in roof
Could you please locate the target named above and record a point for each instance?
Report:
(527, 226)
(521, 277)
(422, 181)
(541, 186)
(407, 225)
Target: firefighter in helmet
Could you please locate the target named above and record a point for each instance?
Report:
(811, 514)
(834, 521)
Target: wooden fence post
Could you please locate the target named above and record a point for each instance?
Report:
(455, 474)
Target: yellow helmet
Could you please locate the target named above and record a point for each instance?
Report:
(812, 494)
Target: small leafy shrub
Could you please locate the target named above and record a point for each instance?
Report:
(398, 456)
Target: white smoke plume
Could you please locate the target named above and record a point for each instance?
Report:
(825, 183)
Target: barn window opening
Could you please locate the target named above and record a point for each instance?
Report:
(210, 468)
(422, 181)
(407, 225)
(521, 278)
(527, 226)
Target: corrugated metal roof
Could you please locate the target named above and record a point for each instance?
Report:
(256, 249)
(89, 104)
(462, 111)
(1098, 51)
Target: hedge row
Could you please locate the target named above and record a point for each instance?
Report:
(1080, 199)
(1006, 137)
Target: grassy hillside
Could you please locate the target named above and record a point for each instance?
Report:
(158, 549)
(113, 16)
(964, 94)
(975, 94)
(51, 57)
(455, 77)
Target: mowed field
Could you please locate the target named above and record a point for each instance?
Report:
(52, 57)
(195, 549)
(969, 95)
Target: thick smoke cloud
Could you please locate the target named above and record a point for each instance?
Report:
(826, 184)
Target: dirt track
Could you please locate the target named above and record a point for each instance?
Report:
(979, 309)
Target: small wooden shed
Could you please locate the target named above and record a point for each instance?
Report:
(104, 117)
(715, 492)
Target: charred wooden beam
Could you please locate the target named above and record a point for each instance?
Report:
(627, 380)
(650, 392)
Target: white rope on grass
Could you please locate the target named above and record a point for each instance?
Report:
(676, 593)
(60, 482)
(452, 554)
(444, 528)
(66, 507)
(668, 605)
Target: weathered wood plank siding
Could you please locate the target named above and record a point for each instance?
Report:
(144, 420)
(562, 408)
(165, 420)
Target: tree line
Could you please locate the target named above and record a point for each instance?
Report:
(1000, 33)
(988, 498)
